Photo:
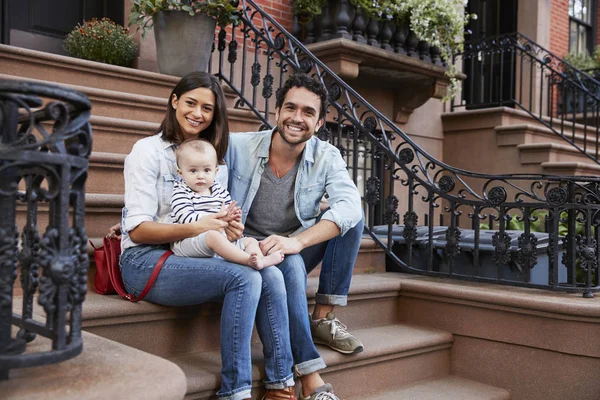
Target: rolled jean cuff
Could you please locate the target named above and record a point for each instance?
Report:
(239, 394)
(283, 383)
(310, 366)
(332, 299)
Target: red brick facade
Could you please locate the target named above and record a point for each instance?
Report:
(281, 10)
(559, 27)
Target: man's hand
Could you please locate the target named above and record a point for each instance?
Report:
(287, 245)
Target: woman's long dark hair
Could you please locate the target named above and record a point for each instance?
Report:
(217, 132)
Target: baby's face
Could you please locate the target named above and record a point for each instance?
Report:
(198, 170)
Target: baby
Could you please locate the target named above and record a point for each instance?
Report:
(199, 195)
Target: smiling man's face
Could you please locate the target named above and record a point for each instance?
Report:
(298, 118)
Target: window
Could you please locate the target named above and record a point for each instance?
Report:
(580, 26)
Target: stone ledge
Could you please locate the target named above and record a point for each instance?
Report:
(411, 80)
(560, 305)
(104, 370)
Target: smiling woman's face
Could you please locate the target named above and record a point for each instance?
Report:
(194, 111)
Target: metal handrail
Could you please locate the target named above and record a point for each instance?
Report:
(513, 70)
(395, 174)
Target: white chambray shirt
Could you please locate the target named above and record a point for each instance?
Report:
(322, 171)
(150, 172)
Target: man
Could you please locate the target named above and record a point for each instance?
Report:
(279, 177)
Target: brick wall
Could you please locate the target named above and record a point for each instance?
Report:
(559, 27)
(280, 10)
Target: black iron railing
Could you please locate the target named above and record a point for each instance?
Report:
(342, 19)
(428, 216)
(44, 150)
(515, 71)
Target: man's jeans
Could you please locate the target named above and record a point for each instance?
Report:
(186, 281)
(338, 255)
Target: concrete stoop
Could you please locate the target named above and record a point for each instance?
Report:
(446, 388)
(412, 353)
(104, 370)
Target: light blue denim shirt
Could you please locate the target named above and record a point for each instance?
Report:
(150, 172)
(322, 172)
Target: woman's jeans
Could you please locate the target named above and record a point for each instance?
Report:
(187, 281)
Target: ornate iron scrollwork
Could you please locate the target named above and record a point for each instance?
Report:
(391, 215)
(501, 243)
(452, 248)
(372, 194)
(497, 195)
(334, 93)
(406, 156)
(411, 219)
(446, 184)
(557, 196)
(527, 254)
(268, 86)
(47, 150)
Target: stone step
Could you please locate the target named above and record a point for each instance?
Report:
(171, 331)
(73, 71)
(114, 104)
(449, 387)
(411, 352)
(101, 212)
(136, 107)
(538, 153)
(105, 174)
(571, 168)
(104, 370)
(528, 133)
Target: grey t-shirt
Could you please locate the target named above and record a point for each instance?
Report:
(272, 211)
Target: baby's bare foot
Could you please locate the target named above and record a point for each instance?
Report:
(272, 259)
(255, 262)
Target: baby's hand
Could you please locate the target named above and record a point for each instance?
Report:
(234, 213)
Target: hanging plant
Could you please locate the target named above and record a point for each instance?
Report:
(440, 23)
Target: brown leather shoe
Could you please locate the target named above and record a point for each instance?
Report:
(280, 394)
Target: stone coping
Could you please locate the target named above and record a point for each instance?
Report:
(104, 370)
(40, 57)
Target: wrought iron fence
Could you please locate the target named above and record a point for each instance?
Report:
(406, 191)
(45, 144)
(514, 71)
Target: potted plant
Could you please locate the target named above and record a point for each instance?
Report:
(184, 30)
(103, 41)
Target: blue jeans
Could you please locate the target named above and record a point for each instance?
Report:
(338, 255)
(187, 281)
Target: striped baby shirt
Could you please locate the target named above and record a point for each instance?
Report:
(188, 206)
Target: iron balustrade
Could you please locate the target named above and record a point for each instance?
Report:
(342, 19)
(514, 71)
(409, 191)
(44, 148)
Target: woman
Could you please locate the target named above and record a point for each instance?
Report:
(197, 109)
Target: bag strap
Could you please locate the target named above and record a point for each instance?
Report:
(115, 274)
(152, 279)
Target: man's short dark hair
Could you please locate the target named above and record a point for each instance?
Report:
(303, 81)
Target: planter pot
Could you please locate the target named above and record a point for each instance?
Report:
(183, 42)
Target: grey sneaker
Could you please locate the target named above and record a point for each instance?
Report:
(331, 332)
(324, 392)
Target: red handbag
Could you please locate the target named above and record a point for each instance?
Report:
(108, 274)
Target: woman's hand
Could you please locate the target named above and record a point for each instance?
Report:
(210, 222)
(234, 230)
(114, 232)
